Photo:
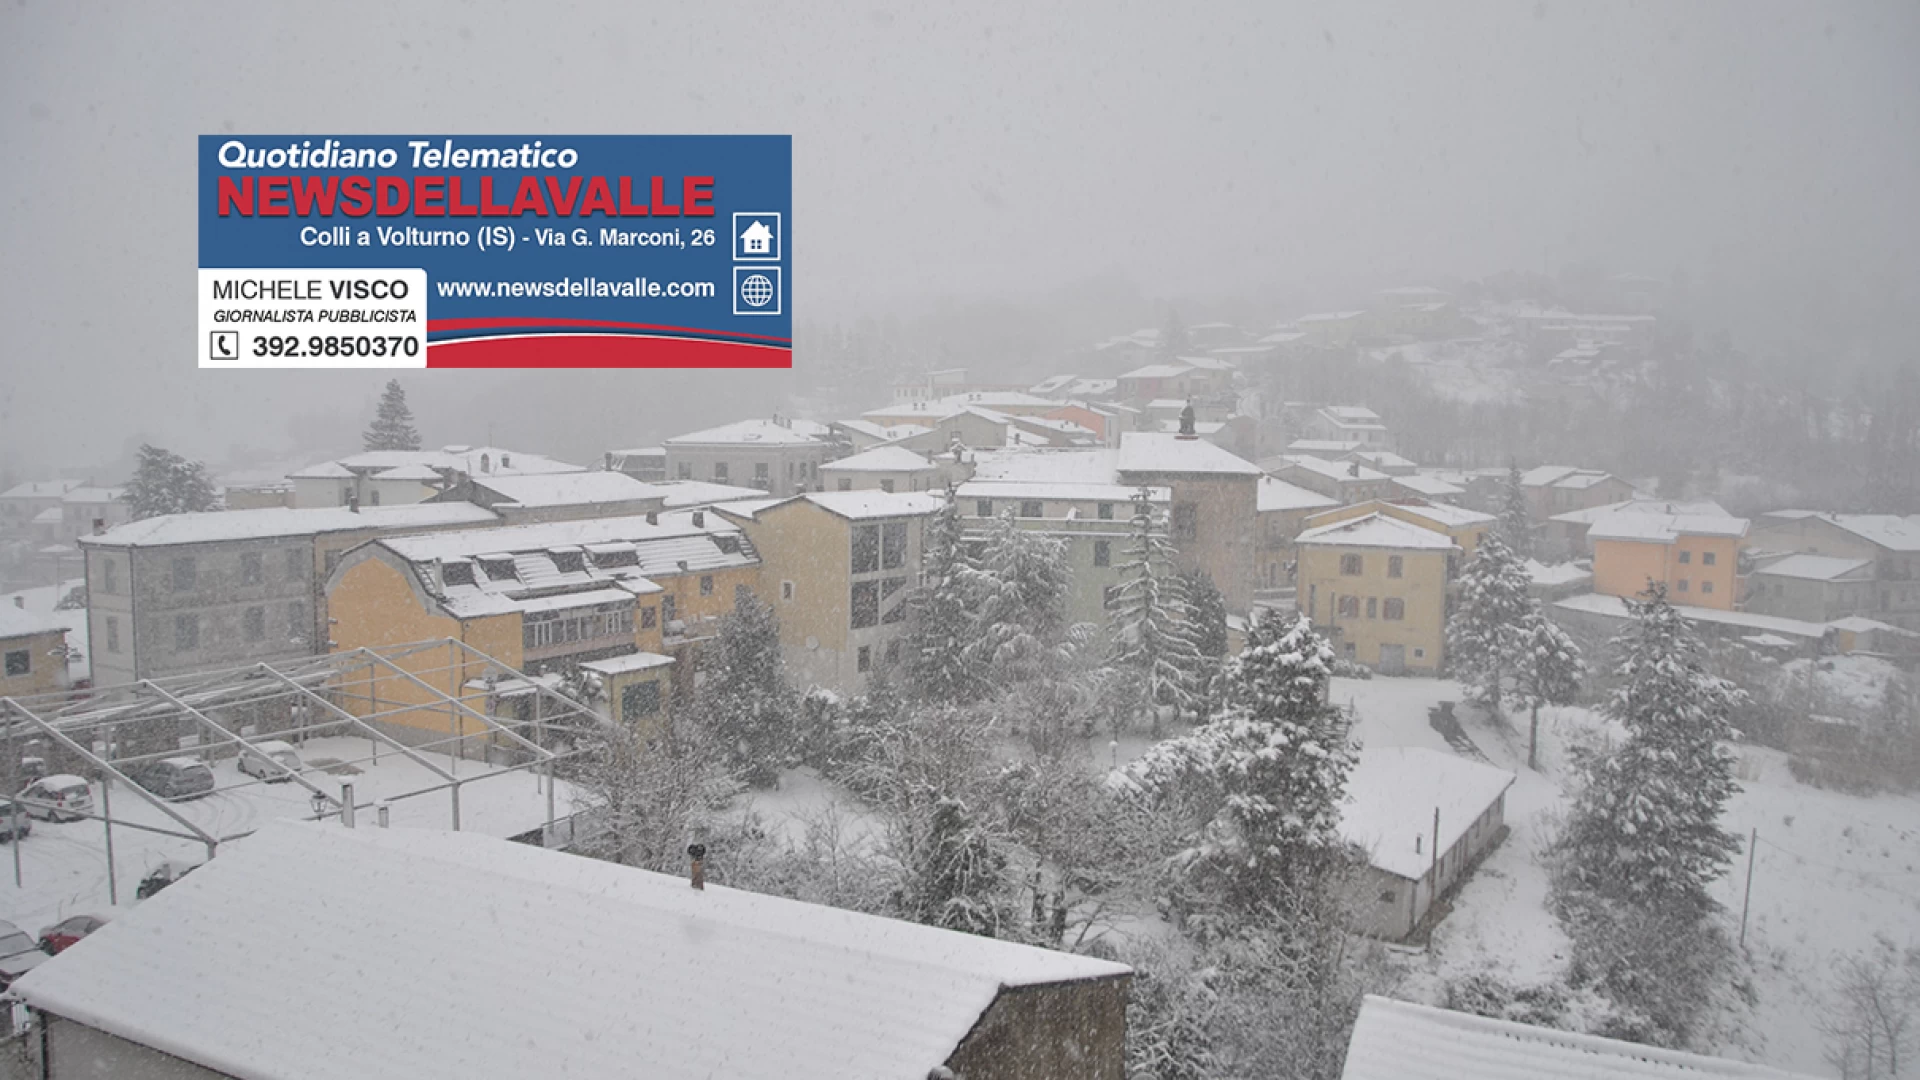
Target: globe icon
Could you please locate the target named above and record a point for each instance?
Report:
(756, 290)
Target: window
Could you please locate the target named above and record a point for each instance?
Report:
(299, 625)
(253, 624)
(844, 484)
(1031, 508)
(685, 470)
(251, 571)
(886, 486)
(597, 623)
(1351, 565)
(760, 470)
(296, 564)
(649, 617)
(639, 701)
(1684, 584)
(1419, 654)
(113, 634)
(1396, 566)
(1350, 607)
(786, 590)
(893, 545)
(1394, 609)
(1186, 521)
(668, 606)
(983, 508)
(19, 662)
(456, 573)
(1686, 557)
(184, 573)
(898, 612)
(720, 472)
(864, 658)
(865, 605)
(1104, 512)
(1103, 553)
(373, 497)
(866, 549)
(109, 576)
(706, 584)
(1373, 607)
(1390, 896)
(893, 652)
(1709, 558)
(186, 632)
(1706, 586)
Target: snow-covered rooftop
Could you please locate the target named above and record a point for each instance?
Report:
(1277, 495)
(862, 505)
(17, 622)
(1350, 471)
(278, 521)
(325, 470)
(622, 665)
(1814, 567)
(1378, 530)
(312, 951)
(1563, 476)
(1616, 608)
(546, 536)
(882, 432)
(1320, 447)
(1330, 316)
(1396, 1040)
(1664, 528)
(415, 471)
(1550, 574)
(749, 432)
(1158, 452)
(1890, 531)
(1353, 414)
(1385, 459)
(1392, 793)
(90, 494)
(1642, 506)
(472, 460)
(40, 489)
(1158, 371)
(1430, 486)
(570, 489)
(686, 494)
(881, 459)
(1445, 515)
(1063, 465)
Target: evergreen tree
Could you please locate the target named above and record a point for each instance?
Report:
(1646, 825)
(1153, 637)
(1486, 633)
(1021, 593)
(1208, 611)
(747, 705)
(1516, 516)
(1549, 673)
(392, 427)
(955, 876)
(1268, 775)
(1173, 337)
(166, 483)
(940, 621)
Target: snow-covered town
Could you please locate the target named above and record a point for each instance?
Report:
(1321, 644)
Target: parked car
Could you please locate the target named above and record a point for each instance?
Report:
(175, 777)
(18, 954)
(260, 760)
(11, 812)
(162, 876)
(63, 934)
(61, 797)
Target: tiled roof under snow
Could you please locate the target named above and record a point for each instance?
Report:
(1664, 528)
(278, 521)
(1276, 495)
(1154, 452)
(1377, 530)
(860, 505)
(1351, 471)
(1396, 1040)
(1392, 793)
(17, 622)
(313, 951)
(1814, 567)
(880, 459)
(745, 432)
(570, 489)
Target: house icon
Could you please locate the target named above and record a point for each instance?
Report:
(757, 239)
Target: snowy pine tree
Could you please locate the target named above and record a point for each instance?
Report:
(1020, 602)
(1516, 517)
(166, 483)
(392, 427)
(1152, 626)
(955, 876)
(1208, 613)
(1268, 775)
(1646, 825)
(1485, 634)
(940, 620)
(1549, 673)
(746, 705)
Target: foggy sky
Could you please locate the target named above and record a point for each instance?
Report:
(977, 150)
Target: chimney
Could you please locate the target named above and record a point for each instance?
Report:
(1353, 469)
(1416, 843)
(1186, 423)
(699, 519)
(20, 601)
(653, 518)
(353, 502)
(698, 872)
(99, 526)
(606, 461)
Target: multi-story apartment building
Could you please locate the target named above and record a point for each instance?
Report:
(780, 456)
(1377, 585)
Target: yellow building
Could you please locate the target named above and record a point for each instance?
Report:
(1283, 510)
(32, 647)
(539, 599)
(1696, 556)
(1378, 586)
(1464, 527)
(838, 567)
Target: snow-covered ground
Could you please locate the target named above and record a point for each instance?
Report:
(64, 866)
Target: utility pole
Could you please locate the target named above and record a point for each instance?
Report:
(1746, 901)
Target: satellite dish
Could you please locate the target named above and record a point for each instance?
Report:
(812, 643)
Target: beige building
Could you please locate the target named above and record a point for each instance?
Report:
(33, 647)
(1377, 585)
(837, 569)
(884, 468)
(1348, 481)
(1215, 505)
(1889, 541)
